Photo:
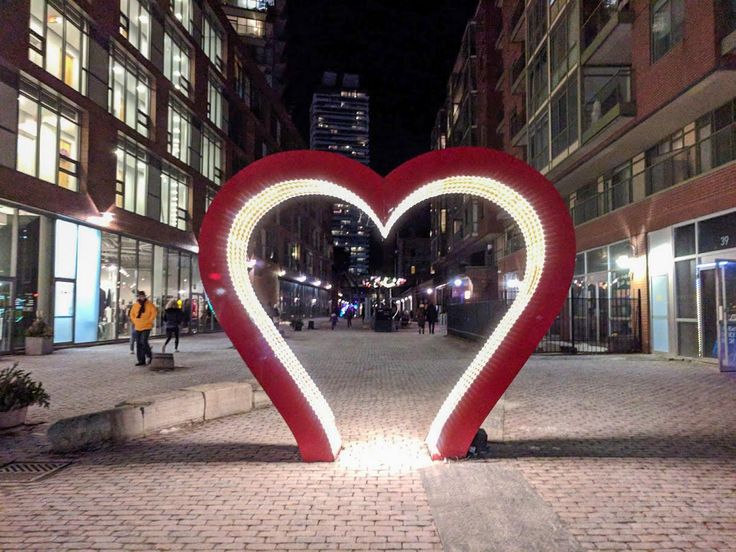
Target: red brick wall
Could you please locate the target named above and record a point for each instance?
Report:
(686, 63)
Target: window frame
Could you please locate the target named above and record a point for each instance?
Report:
(131, 70)
(675, 28)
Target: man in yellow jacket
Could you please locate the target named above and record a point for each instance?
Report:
(143, 316)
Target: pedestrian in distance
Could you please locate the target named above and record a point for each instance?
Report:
(173, 319)
(349, 314)
(333, 319)
(421, 319)
(142, 316)
(431, 317)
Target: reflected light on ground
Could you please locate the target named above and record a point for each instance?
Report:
(389, 455)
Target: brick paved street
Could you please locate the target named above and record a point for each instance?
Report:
(630, 453)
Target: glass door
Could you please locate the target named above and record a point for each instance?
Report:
(726, 314)
(6, 315)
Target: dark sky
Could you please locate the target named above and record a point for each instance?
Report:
(403, 51)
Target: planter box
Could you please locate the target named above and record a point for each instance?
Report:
(13, 418)
(39, 345)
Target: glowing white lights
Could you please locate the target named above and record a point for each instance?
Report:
(317, 282)
(301, 278)
(457, 282)
(502, 195)
(103, 219)
(429, 291)
(281, 273)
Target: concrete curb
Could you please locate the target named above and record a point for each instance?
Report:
(138, 417)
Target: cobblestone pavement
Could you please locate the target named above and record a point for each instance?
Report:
(630, 452)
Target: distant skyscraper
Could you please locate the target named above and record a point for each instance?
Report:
(340, 124)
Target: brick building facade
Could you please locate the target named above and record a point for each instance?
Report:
(121, 120)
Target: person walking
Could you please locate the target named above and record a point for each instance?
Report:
(142, 316)
(333, 319)
(173, 318)
(431, 317)
(349, 316)
(421, 319)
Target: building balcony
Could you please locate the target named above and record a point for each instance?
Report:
(606, 34)
(674, 168)
(607, 97)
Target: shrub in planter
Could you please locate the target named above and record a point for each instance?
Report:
(39, 338)
(17, 392)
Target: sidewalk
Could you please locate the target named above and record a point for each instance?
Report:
(597, 453)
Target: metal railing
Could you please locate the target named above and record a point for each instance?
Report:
(676, 167)
(516, 122)
(613, 92)
(599, 18)
(584, 325)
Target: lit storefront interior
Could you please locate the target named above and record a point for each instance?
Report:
(83, 280)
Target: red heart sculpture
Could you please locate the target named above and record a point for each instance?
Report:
(524, 193)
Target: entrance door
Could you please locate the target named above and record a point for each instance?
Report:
(6, 315)
(725, 273)
(708, 313)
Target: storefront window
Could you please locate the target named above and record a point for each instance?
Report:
(135, 24)
(130, 92)
(128, 283)
(7, 231)
(172, 274)
(109, 270)
(717, 233)
(27, 273)
(598, 260)
(48, 137)
(58, 41)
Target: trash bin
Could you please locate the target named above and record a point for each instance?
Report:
(382, 321)
(310, 325)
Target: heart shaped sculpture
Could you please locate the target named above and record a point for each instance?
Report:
(522, 192)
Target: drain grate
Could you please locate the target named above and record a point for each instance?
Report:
(28, 472)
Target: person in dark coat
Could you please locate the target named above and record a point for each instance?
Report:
(173, 318)
(431, 317)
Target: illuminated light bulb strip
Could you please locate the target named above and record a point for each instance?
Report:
(531, 228)
(239, 237)
(259, 205)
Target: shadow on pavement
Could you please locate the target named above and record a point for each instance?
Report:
(677, 446)
(146, 452)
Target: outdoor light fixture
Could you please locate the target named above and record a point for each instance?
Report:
(281, 273)
(301, 278)
(429, 291)
(512, 185)
(103, 219)
(328, 286)
(317, 282)
(623, 262)
(457, 282)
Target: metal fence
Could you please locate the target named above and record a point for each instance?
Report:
(584, 325)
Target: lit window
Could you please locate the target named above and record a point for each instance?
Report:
(174, 198)
(216, 103)
(211, 156)
(48, 137)
(179, 131)
(212, 39)
(131, 182)
(130, 92)
(182, 10)
(135, 24)
(176, 61)
(248, 26)
(58, 41)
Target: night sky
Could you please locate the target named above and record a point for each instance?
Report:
(403, 51)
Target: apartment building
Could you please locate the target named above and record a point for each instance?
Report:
(121, 120)
(628, 108)
(340, 123)
(261, 25)
(463, 228)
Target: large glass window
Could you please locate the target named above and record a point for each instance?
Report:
(564, 46)
(212, 39)
(538, 83)
(130, 92)
(539, 143)
(667, 24)
(174, 198)
(135, 24)
(242, 82)
(48, 137)
(537, 22)
(131, 182)
(182, 10)
(565, 117)
(211, 156)
(59, 41)
(216, 103)
(109, 271)
(248, 26)
(176, 61)
(179, 131)
(717, 233)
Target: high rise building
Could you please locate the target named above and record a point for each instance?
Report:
(340, 124)
(120, 122)
(260, 24)
(629, 108)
